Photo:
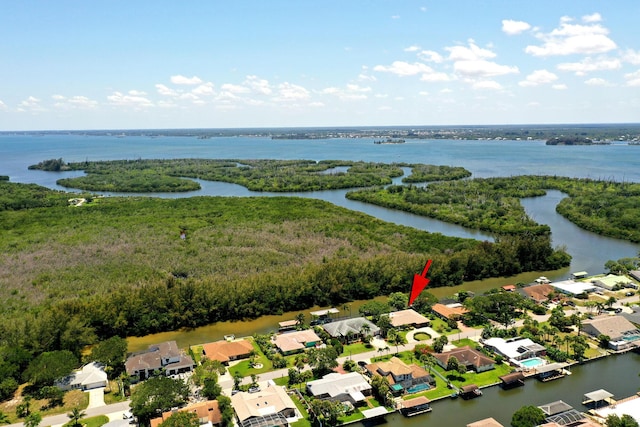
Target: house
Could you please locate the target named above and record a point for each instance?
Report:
(509, 288)
(402, 377)
(271, 406)
(351, 387)
(449, 311)
(487, 422)
(408, 318)
(561, 413)
(208, 414)
(610, 281)
(226, 351)
(415, 406)
(515, 348)
(573, 288)
(622, 333)
(295, 342)
(343, 329)
(164, 357)
(538, 293)
(89, 377)
(467, 356)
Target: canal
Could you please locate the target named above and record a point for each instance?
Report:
(617, 374)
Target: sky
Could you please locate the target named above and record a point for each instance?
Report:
(123, 64)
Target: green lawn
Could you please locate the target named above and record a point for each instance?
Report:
(421, 336)
(465, 341)
(98, 421)
(246, 370)
(356, 348)
(304, 422)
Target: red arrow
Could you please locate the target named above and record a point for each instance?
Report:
(420, 282)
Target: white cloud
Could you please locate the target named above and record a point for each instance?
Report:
(82, 102)
(412, 48)
(402, 68)
(560, 86)
(633, 79)
(471, 53)
(594, 17)
(538, 77)
(291, 92)
(487, 84)
(164, 90)
(512, 27)
(350, 92)
(131, 99)
(58, 97)
(3, 106)
(182, 80)
(258, 85)
(596, 81)
(366, 78)
(588, 65)
(229, 87)
(435, 77)
(631, 56)
(31, 104)
(571, 39)
(482, 68)
(430, 56)
(204, 89)
(137, 93)
(395, 17)
(423, 93)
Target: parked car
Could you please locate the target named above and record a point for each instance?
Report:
(127, 415)
(254, 389)
(629, 294)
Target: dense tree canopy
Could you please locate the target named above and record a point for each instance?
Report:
(527, 416)
(50, 366)
(156, 395)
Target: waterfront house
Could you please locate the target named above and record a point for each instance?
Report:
(622, 333)
(227, 351)
(449, 311)
(271, 406)
(89, 377)
(296, 342)
(350, 329)
(573, 288)
(408, 318)
(402, 377)
(164, 357)
(561, 413)
(538, 292)
(467, 356)
(579, 275)
(351, 387)
(487, 422)
(515, 348)
(470, 391)
(610, 281)
(208, 414)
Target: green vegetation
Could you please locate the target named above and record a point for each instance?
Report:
(257, 175)
(492, 204)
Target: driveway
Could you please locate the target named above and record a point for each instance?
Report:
(96, 397)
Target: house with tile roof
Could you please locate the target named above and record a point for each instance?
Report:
(622, 333)
(158, 358)
(408, 318)
(296, 342)
(539, 292)
(401, 377)
(227, 351)
(271, 406)
(449, 311)
(208, 414)
(471, 359)
(343, 329)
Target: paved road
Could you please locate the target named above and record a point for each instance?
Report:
(113, 411)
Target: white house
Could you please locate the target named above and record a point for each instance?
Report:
(89, 377)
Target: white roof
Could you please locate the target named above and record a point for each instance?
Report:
(630, 407)
(335, 384)
(573, 287)
(510, 348)
(598, 395)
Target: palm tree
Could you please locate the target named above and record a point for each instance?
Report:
(300, 320)
(4, 418)
(76, 415)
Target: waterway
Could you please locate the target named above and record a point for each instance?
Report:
(617, 374)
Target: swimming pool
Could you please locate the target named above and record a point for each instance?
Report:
(418, 388)
(532, 362)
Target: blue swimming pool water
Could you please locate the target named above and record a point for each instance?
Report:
(418, 388)
(532, 362)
